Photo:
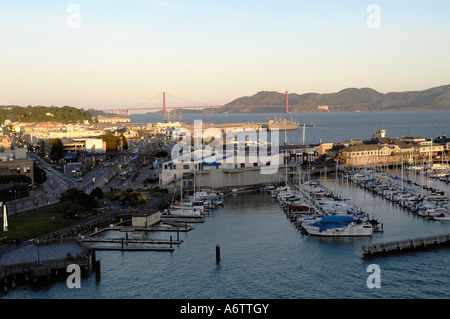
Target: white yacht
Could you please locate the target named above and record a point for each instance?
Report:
(334, 226)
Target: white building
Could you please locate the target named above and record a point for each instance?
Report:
(95, 145)
(224, 169)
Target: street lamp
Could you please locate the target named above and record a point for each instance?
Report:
(37, 242)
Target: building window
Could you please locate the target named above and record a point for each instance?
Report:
(185, 166)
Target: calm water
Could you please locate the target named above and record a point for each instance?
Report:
(265, 256)
(336, 127)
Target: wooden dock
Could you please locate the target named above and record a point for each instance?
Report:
(43, 260)
(406, 245)
(181, 228)
(130, 241)
(134, 248)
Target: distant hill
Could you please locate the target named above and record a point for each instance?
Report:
(36, 114)
(97, 113)
(349, 100)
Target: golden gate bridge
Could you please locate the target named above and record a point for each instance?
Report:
(196, 105)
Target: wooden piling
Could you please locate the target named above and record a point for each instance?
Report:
(217, 253)
(92, 258)
(97, 270)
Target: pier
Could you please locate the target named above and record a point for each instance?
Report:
(393, 247)
(41, 260)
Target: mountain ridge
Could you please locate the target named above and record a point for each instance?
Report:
(348, 99)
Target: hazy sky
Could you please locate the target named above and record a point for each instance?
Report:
(119, 53)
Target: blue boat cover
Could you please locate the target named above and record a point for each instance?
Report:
(333, 221)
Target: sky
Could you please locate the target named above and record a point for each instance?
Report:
(106, 54)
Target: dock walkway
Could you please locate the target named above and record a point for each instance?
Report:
(406, 245)
(33, 260)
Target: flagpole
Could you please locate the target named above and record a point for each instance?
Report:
(5, 217)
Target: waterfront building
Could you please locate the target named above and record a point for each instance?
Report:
(382, 151)
(15, 162)
(424, 148)
(113, 120)
(224, 169)
(323, 148)
(299, 153)
(365, 155)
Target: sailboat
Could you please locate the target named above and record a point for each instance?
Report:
(5, 217)
(182, 208)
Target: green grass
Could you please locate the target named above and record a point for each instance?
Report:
(34, 224)
(109, 195)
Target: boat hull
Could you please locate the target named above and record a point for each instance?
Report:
(348, 231)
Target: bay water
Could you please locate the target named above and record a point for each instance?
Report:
(263, 255)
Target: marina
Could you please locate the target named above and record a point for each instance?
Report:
(316, 211)
(279, 259)
(414, 195)
(256, 218)
(194, 154)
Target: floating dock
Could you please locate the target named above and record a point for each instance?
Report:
(128, 241)
(135, 248)
(406, 245)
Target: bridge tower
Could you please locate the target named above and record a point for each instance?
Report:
(164, 103)
(287, 102)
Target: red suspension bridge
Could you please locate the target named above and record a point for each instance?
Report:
(197, 105)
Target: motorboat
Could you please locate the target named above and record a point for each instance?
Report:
(334, 225)
(183, 212)
(445, 216)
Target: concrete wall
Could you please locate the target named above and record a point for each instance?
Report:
(234, 178)
(95, 145)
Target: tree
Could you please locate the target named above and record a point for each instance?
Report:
(56, 153)
(39, 175)
(42, 148)
(112, 142)
(77, 196)
(97, 193)
(124, 142)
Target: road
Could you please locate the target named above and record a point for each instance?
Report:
(102, 176)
